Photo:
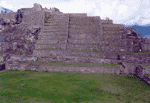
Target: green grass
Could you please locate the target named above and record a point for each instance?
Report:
(47, 22)
(57, 87)
(46, 25)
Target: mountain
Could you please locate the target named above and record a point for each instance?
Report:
(141, 29)
(5, 10)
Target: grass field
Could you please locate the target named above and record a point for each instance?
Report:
(57, 87)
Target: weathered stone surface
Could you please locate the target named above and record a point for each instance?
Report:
(4, 57)
(127, 68)
(22, 36)
(37, 7)
(134, 70)
(142, 74)
(22, 58)
(15, 65)
(140, 71)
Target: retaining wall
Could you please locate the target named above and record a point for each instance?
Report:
(89, 69)
(129, 57)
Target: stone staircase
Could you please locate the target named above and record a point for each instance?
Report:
(64, 35)
(54, 36)
(68, 38)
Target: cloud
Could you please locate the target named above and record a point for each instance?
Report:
(120, 11)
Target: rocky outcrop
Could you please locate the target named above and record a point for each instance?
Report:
(22, 35)
(18, 36)
(141, 73)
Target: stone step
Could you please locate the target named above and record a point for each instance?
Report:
(132, 57)
(53, 41)
(84, 31)
(82, 39)
(49, 24)
(83, 27)
(113, 26)
(91, 30)
(55, 27)
(87, 68)
(112, 29)
(54, 46)
(99, 41)
(83, 24)
(113, 32)
(54, 36)
(63, 52)
(58, 33)
(112, 69)
(97, 47)
(60, 20)
(77, 59)
(56, 23)
(96, 35)
(54, 32)
(83, 19)
(84, 47)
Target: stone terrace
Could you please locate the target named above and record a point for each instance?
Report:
(70, 38)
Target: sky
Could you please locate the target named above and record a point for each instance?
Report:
(128, 12)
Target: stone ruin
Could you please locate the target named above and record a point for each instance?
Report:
(49, 34)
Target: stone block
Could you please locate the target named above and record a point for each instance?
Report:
(4, 57)
(12, 65)
(145, 47)
(21, 66)
(37, 7)
(32, 67)
(140, 71)
(127, 68)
